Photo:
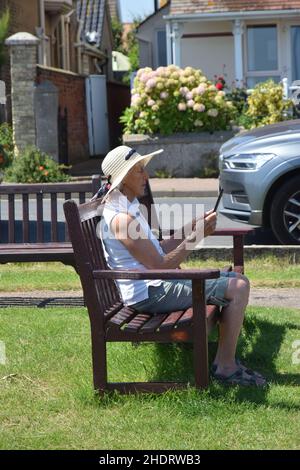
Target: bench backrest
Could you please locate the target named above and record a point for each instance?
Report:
(17, 223)
(82, 221)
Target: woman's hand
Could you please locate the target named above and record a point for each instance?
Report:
(209, 220)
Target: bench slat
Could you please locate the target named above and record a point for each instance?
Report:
(110, 312)
(54, 227)
(67, 197)
(171, 320)
(89, 230)
(153, 323)
(39, 218)
(125, 315)
(186, 318)
(137, 322)
(25, 223)
(11, 218)
(82, 197)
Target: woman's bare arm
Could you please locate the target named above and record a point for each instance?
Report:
(128, 231)
(180, 234)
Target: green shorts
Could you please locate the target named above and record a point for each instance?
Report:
(174, 295)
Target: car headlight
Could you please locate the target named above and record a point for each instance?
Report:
(246, 161)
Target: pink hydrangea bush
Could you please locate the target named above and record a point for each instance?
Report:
(170, 100)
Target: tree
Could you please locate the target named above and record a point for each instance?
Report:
(4, 25)
(132, 50)
(117, 29)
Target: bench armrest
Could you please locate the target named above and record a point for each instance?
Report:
(193, 274)
(238, 244)
(232, 231)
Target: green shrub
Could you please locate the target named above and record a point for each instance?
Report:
(238, 97)
(6, 146)
(266, 104)
(170, 100)
(4, 26)
(34, 166)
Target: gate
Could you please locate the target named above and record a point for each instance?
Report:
(62, 125)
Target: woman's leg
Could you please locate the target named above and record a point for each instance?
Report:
(237, 293)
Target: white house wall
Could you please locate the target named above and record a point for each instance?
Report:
(147, 34)
(209, 54)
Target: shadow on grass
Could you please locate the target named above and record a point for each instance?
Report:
(258, 347)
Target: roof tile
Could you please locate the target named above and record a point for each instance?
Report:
(220, 6)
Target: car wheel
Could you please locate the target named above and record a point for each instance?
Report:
(285, 213)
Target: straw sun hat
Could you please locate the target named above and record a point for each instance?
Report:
(119, 161)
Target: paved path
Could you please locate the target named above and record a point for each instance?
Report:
(281, 297)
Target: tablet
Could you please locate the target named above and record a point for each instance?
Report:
(218, 200)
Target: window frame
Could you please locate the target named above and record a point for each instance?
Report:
(268, 74)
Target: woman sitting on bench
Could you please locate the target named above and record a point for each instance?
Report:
(129, 244)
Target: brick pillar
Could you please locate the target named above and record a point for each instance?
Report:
(23, 59)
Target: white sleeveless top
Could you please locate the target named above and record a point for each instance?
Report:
(116, 254)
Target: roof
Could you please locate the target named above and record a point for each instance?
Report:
(180, 7)
(167, 4)
(91, 13)
(114, 9)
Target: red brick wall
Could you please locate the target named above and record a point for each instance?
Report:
(72, 96)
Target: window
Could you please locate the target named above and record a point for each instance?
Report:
(262, 54)
(161, 48)
(295, 47)
(252, 81)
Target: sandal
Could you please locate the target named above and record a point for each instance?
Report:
(239, 364)
(241, 377)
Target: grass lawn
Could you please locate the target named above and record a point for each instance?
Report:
(47, 401)
(263, 272)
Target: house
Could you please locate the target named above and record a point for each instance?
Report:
(75, 42)
(248, 41)
(114, 9)
(94, 37)
(151, 35)
(75, 35)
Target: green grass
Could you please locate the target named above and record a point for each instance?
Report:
(267, 271)
(47, 401)
(38, 276)
(262, 272)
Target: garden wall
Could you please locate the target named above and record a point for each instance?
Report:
(71, 93)
(185, 155)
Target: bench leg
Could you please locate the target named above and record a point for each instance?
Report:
(200, 335)
(99, 361)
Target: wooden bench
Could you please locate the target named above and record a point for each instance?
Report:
(24, 239)
(112, 321)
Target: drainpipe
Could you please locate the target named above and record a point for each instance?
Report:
(238, 32)
(42, 58)
(67, 32)
(79, 45)
(169, 42)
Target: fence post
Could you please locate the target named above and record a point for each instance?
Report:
(285, 88)
(23, 57)
(3, 116)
